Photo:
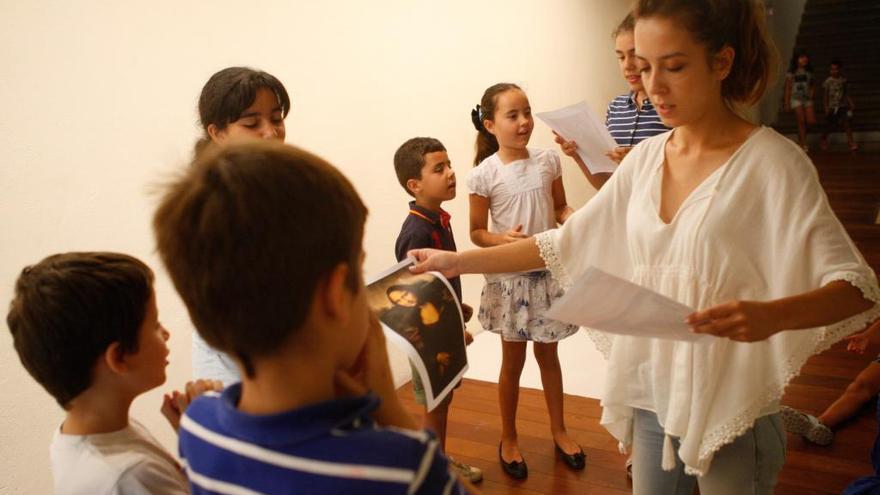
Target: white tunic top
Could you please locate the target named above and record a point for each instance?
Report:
(758, 228)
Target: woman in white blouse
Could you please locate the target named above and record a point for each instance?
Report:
(720, 215)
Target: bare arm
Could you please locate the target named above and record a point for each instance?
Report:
(517, 256)
(560, 205)
(570, 149)
(480, 234)
(595, 180)
(750, 321)
(827, 305)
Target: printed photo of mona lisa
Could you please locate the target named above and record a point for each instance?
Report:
(421, 314)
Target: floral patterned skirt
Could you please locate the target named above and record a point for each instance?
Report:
(514, 307)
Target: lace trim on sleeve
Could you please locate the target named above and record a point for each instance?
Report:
(819, 341)
(602, 341)
(869, 290)
(548, 253)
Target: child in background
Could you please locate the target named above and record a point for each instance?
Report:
(867, 485)
(865, 387)
(799, 88)
(240, 102)
(85, 326)
(522, 189)
(236, 103)
(277, 284)
(425, 172)
(630, 117)
(838, 105)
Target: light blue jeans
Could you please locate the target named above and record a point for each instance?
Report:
(212, 364)
(748, 466)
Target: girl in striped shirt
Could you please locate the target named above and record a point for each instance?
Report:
(630, 117)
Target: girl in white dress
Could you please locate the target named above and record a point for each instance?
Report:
(725, 217)
(522, 189)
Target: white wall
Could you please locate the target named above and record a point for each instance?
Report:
(98, 106)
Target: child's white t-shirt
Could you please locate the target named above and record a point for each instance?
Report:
(520, 192)
(127, 461)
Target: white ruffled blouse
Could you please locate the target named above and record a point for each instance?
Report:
(758, 228)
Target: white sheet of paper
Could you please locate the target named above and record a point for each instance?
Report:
(579, 124)
(604, 302)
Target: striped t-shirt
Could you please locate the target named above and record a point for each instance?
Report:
(628, 125)
(333, 447)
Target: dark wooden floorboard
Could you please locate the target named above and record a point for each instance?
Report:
(852, 182)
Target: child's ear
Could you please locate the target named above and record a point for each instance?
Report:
(115, 358)
(214, 132)
(414, 186)
(490, 126)
(335, 292)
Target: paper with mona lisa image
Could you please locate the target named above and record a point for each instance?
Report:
(421, 314)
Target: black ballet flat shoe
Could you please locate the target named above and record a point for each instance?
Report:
(516, 470)
(576, 461)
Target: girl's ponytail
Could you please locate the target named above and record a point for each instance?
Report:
(486, 143)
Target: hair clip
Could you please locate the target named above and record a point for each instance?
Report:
(477, 119)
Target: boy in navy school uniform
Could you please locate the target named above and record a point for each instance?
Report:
(277, 284)
(425, 172)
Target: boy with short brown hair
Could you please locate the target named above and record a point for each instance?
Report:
(425, 172)
(86, 327)
(263, 243)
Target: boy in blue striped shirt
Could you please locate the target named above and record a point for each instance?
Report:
(263, 243)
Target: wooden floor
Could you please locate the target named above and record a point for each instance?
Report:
(852, 182)
(853, 186)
